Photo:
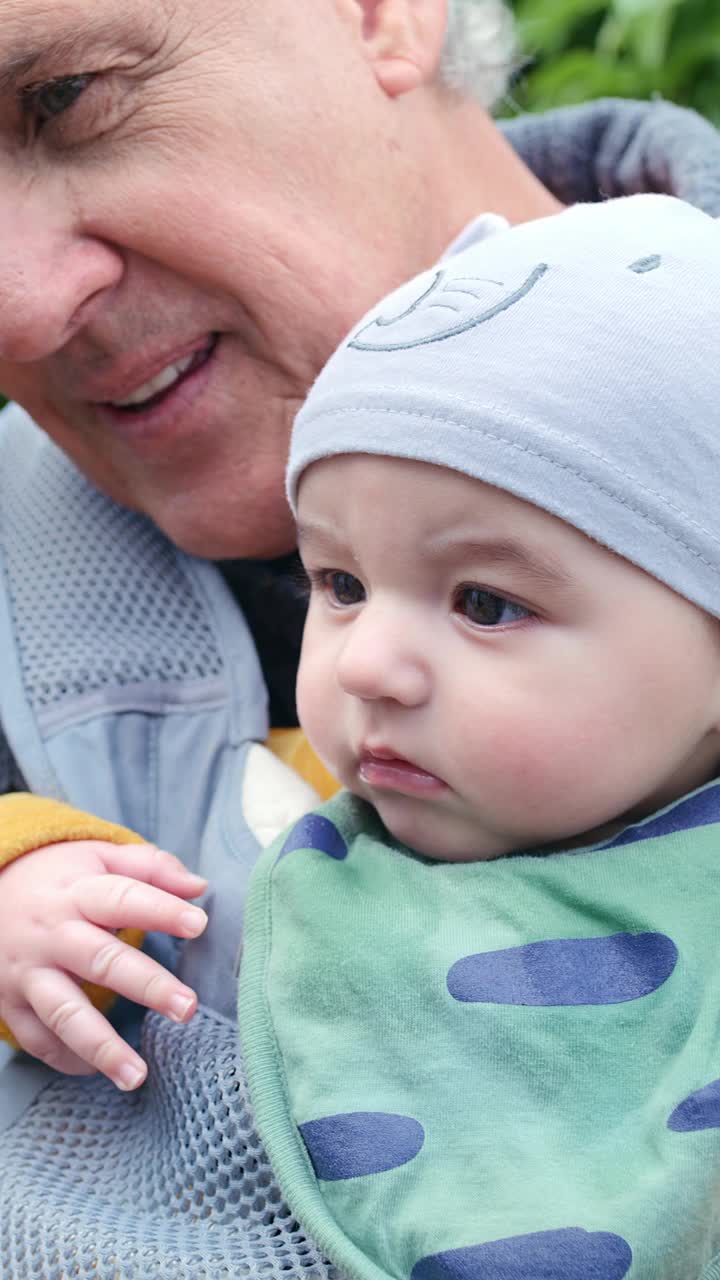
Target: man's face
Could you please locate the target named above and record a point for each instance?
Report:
(197, 201)
(488, 677)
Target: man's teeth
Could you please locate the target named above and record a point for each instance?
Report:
(161, 382)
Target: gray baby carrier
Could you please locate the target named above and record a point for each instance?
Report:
(130, 687)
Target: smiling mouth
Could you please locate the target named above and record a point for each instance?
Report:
(156, 389)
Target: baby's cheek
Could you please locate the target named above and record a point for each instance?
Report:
(317, 704)
(538, 761)
(306, 689)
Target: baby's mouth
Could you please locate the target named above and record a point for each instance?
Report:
(384, 771)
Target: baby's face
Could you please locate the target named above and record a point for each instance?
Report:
(487, 676)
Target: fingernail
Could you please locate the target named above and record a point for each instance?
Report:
(129, 1077)
(180, 1007)
(193, 921)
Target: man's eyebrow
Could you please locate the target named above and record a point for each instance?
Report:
(67, 49)
(541, 567)
(15, 67)
(18, 64)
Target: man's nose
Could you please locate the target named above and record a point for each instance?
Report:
(50, 276)
(383, 657)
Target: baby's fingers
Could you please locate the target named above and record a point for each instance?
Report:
(99, 957)
(120, 902)
(66, 1012)
(34, 1037)
(153, 866)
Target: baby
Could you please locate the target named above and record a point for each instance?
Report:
(480, 993)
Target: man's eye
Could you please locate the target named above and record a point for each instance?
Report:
(485, 609)
(44, 102)
(343, 588)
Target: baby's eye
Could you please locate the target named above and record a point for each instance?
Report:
(486, 609)
(343, 588)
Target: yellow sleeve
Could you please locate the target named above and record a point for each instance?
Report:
(29, 822)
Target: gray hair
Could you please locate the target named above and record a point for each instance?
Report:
(480, 49)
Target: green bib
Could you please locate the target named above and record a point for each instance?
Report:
(500, 1070)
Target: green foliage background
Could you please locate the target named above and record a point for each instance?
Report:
(580, 49)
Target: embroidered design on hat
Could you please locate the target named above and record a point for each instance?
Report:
(470, 298)
(427, 321)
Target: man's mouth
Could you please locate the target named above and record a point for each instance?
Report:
(385, 771)
(154, 390)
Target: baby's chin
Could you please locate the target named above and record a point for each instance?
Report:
(447, 837)
(437, 834)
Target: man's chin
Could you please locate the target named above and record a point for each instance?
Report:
(215, 535)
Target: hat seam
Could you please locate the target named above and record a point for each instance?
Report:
(545, 457)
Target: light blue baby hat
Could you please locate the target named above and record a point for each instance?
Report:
(572, 361)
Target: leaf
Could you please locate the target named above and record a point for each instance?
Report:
(688, 56)
(627, 10)
(546, 25)
(637, 48)
(579, 75)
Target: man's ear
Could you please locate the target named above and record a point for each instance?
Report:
(403, 41)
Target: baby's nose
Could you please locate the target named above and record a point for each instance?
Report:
(382, 660)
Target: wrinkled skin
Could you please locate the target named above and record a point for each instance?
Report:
(236, 181)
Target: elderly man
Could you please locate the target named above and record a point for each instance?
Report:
(197, 201)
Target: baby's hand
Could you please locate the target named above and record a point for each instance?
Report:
(59, 908)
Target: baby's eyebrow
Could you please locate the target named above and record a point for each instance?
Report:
(308, 529)
(323, 537)
(542, 568)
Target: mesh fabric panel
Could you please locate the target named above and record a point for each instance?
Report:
(115, 609)
(171, 1183)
